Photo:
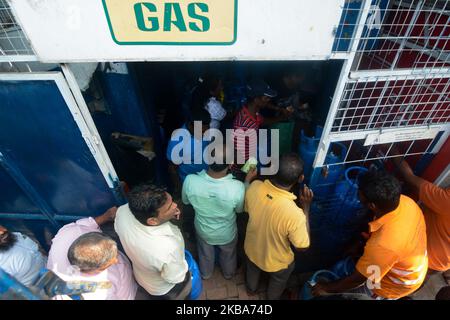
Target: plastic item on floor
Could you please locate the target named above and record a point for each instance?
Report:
(321, 275)
(196, 279)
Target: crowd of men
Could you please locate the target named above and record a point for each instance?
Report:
(405, 243)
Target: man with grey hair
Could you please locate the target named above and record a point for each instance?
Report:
(81, 252)
(93, 252)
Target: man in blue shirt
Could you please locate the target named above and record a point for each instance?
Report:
(186, 146)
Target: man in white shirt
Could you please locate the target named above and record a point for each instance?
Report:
(20, 256)
(154, 245)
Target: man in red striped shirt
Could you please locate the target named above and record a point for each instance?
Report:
(248, 121)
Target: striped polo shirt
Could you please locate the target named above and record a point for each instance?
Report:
(242, 138)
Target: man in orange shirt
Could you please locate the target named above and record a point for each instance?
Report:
(394, 263)
(436, 208)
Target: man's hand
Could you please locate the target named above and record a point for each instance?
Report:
(251, 175)
(320, 289)
(108, 216)
(306, 196)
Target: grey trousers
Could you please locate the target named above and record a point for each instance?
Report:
(227, 258)
(277, 280)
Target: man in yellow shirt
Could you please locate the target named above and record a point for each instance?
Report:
(394, 263)
(276, 222)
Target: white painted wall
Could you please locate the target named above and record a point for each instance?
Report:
(77, 31)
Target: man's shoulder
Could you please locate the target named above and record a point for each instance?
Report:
(256, 184)
(291, 211)
(123, 220)
(21, 250)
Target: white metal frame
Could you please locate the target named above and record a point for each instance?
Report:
(81, 118)
(444, 179)
(23, 53)
(351, 74)
(346, 68)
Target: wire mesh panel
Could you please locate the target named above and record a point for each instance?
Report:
(397, 34)
(356, 152)
(392, 100)
(336, 202)
(400, 102)
(13, 41)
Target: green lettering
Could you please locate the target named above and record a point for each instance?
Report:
(203, 20)
(178, 22)
(140, 19)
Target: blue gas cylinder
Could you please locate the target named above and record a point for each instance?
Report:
(308, 149)
(344, 267)
(196, 279)
(321, 275)
(325, 185)
(347, 193)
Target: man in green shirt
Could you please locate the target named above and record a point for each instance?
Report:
(216, 197)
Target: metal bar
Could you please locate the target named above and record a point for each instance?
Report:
(82, 106)
(443, 178)
(16, 174)
(424, 7)
(402, 74)
(408, 32)
(443, 94)
(18, 58)
(324, 145)
(34, 216)
(362, 135)
(411, 105)
(425, 44)
(101, 155)
(382, 95)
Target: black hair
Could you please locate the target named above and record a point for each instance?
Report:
(201, 115)
(145, 200)
(380, 188)
(290, 170)
(250, 99)
(221, 154)
(202, 92)
(92, 251)
(7, 241)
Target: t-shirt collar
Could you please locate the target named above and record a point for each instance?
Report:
(279, 192)
(380, 222)
(205, 175)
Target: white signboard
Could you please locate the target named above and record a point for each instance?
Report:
(179, 30)
(403, 135)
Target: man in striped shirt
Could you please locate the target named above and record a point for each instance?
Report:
(248, 121)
